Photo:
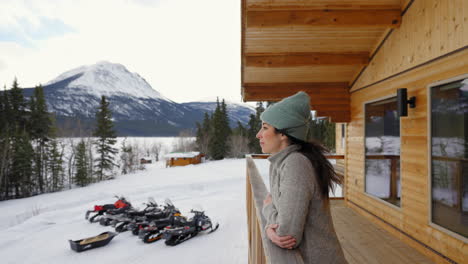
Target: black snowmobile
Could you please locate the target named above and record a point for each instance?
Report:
(119, 206)
(135, 216)
(151, 231)
(147, 220)
(199, 223)
(113, 216)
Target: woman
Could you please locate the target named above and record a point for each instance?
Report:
(297, 209)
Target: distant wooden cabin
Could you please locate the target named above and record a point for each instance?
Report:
(183, 158)
(405, 172)
(146, 160)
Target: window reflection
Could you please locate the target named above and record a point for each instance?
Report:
(382, 163)
(449, 175)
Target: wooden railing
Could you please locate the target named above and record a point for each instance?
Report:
(261, 249)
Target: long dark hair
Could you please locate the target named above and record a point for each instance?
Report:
(315, 152)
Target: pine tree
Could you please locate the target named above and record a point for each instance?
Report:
(106, 135)
(238, 142)
(5, 114)
(82, 177)
(5, 144)
(225, 124)
(255, 123)
(218, 146)
(41, 131)
(21, 170)
(19, 175)
(127, 158)
(41, 124)
(214, 147)
(3, 117)
(17, 117)
(323, 131)
(55, 166)
(239, 130)
(204, 134)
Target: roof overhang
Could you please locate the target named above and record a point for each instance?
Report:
(316, 46)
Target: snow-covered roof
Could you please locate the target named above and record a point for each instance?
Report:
(182, 155)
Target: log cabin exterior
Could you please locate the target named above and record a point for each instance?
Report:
(351, 56)
(183, 159)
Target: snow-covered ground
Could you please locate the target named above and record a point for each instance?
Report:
(37, 229)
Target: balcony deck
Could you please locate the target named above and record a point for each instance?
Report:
(364, 242)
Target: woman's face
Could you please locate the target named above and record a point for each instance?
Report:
(271, 142)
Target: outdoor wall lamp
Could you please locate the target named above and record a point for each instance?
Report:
(403, 102)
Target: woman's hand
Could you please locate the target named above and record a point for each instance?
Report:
(287, 242)
(267, 200)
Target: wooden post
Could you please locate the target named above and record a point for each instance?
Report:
(256, 253)
(459, 184)
(393, 179)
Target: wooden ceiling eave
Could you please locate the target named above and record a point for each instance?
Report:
(328, 99)
(325, 18)
(291, 46)
(293, 59)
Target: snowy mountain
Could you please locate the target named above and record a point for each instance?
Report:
(138, 109)
(109, 79)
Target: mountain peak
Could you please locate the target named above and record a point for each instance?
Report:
(137, 109)
(212, 99)
(108, 79)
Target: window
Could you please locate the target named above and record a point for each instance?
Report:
(382, 139)
(449, 156)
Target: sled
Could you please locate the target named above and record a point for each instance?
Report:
(92, 242)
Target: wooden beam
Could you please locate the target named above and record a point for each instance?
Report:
(274, 60)
(277, 91)
(328, 99)
(321, 5)
(324, 18)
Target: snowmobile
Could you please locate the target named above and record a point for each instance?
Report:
(197, 224)
(146, 220)
(140, 223)
(111, 217)
(154, 231)
(121, 204)
(135, 216)
(151, 230)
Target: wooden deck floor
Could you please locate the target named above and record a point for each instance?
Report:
(364, 242)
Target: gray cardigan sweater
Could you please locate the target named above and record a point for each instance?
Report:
(299, 210)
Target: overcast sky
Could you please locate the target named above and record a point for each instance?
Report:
(186, 49)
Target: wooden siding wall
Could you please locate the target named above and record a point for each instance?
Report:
(430, 29)
(183, 161)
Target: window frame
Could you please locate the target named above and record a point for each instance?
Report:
(429, 157)
(399, 208)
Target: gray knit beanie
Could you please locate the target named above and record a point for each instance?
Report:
(291, 115)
